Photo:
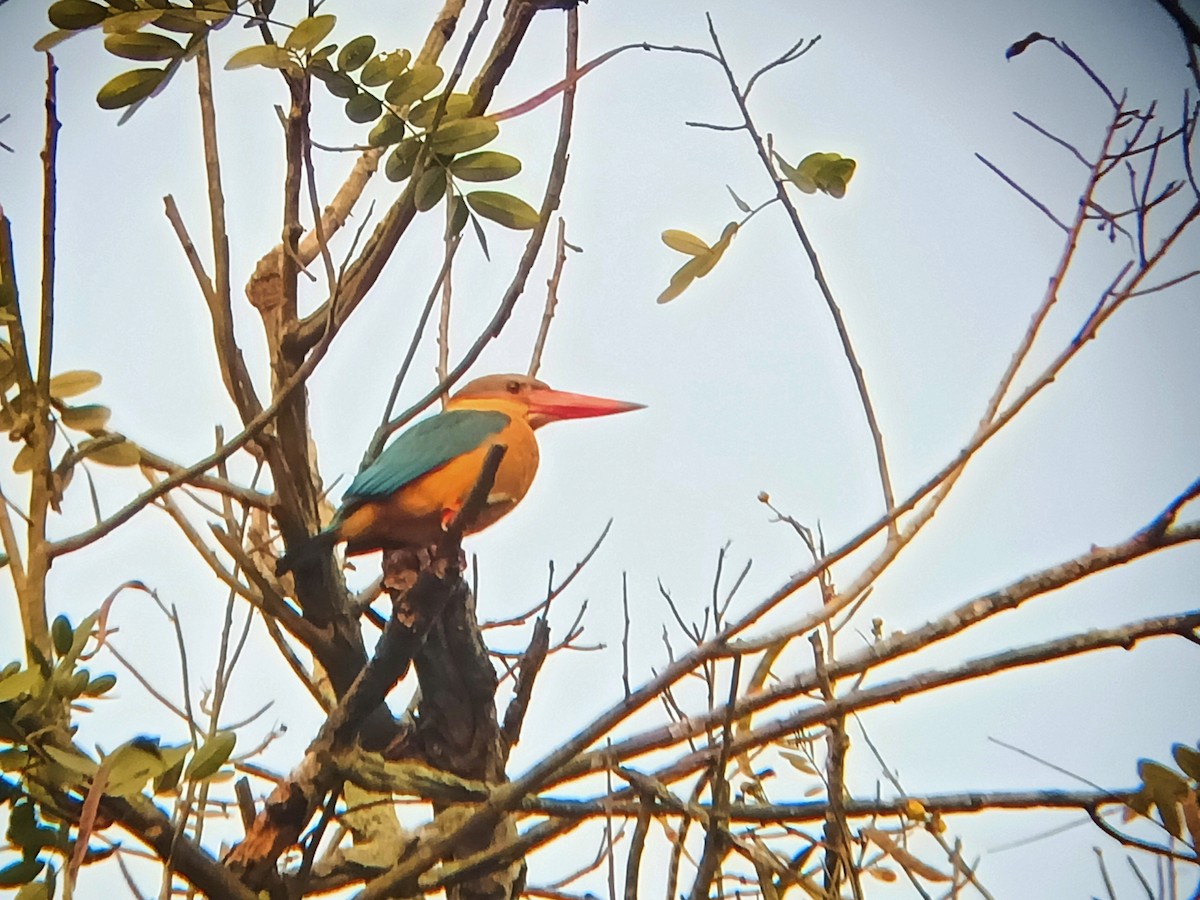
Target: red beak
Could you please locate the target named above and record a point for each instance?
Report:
(546, 405)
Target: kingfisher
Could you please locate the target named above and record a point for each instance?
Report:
(414, 490)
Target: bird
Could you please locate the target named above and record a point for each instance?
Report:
(413, 491)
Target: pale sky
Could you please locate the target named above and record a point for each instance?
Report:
(936, 264)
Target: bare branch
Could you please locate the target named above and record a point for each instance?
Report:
(818, 273)
(1045, 210)
(560, 259)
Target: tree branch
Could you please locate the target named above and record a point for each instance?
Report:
(818, 274)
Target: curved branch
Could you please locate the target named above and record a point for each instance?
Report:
(835, 312)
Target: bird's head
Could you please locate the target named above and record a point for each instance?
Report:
(537, 401)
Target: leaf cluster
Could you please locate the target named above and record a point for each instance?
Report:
(128, 34)
(434, 136)
(91, 419)
(829, 173)
(50, 769)
(1174, 793)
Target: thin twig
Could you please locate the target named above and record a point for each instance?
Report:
(1045, 210)
(550, 201)
(560, 259)
(818, 274)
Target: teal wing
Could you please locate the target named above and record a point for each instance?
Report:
(430, 443)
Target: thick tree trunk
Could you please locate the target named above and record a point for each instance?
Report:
(457, 728)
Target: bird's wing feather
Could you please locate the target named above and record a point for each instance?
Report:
(430, 443)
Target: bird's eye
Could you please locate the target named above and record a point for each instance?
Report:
(513, 387)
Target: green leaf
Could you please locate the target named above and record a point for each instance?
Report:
(363, 108)
(828, 172)
(1166, 788)
(1022, 45)
(389, 130)
(356, 53)
(413, 84)
(186, 21)
(13, 760)
(27, 681)
(74, 382)
(35, 890)
(131, 22)
(310, 32)
(430, 189)
(72, 760)
(710, 259)
(703, 260)
(129, 87)
(457, 106)
(100, 685)
(61, 635)
(456, 220)
(142, 46)
(83, 631)
(92, 417)
(169, 779)
(1188, 760)
(505, 209)
(487, 165)
(270, 56)
(75, 15)
(738, 201)
(684, 242)
(800, 180)
(681, 280)
(122, 453)
(24, 460)
(461, 135)
(400, 161)
(51, 40)
(208, 760)
(385, 67)
(131, 765)
(21, 872)
(338, 83)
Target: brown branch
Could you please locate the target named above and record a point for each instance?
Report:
(1138, 844)
(818, 274)
(1189, 28)
(1042, 207)
(1124, 637)
(637, 845)
(49, 232)
(560, 259)
(531, 664)
(555, 591)
(9, 303)
(218, 485)
(628, 804)
(229, 355)
(40, 436)
(183, 476)
(142, 819)
(418, 332)
(1039, 583)
(293, 802)
(839, 863)
(443, 336)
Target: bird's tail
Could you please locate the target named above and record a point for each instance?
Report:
(306, 552)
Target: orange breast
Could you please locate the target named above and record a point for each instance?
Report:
(414, 514)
